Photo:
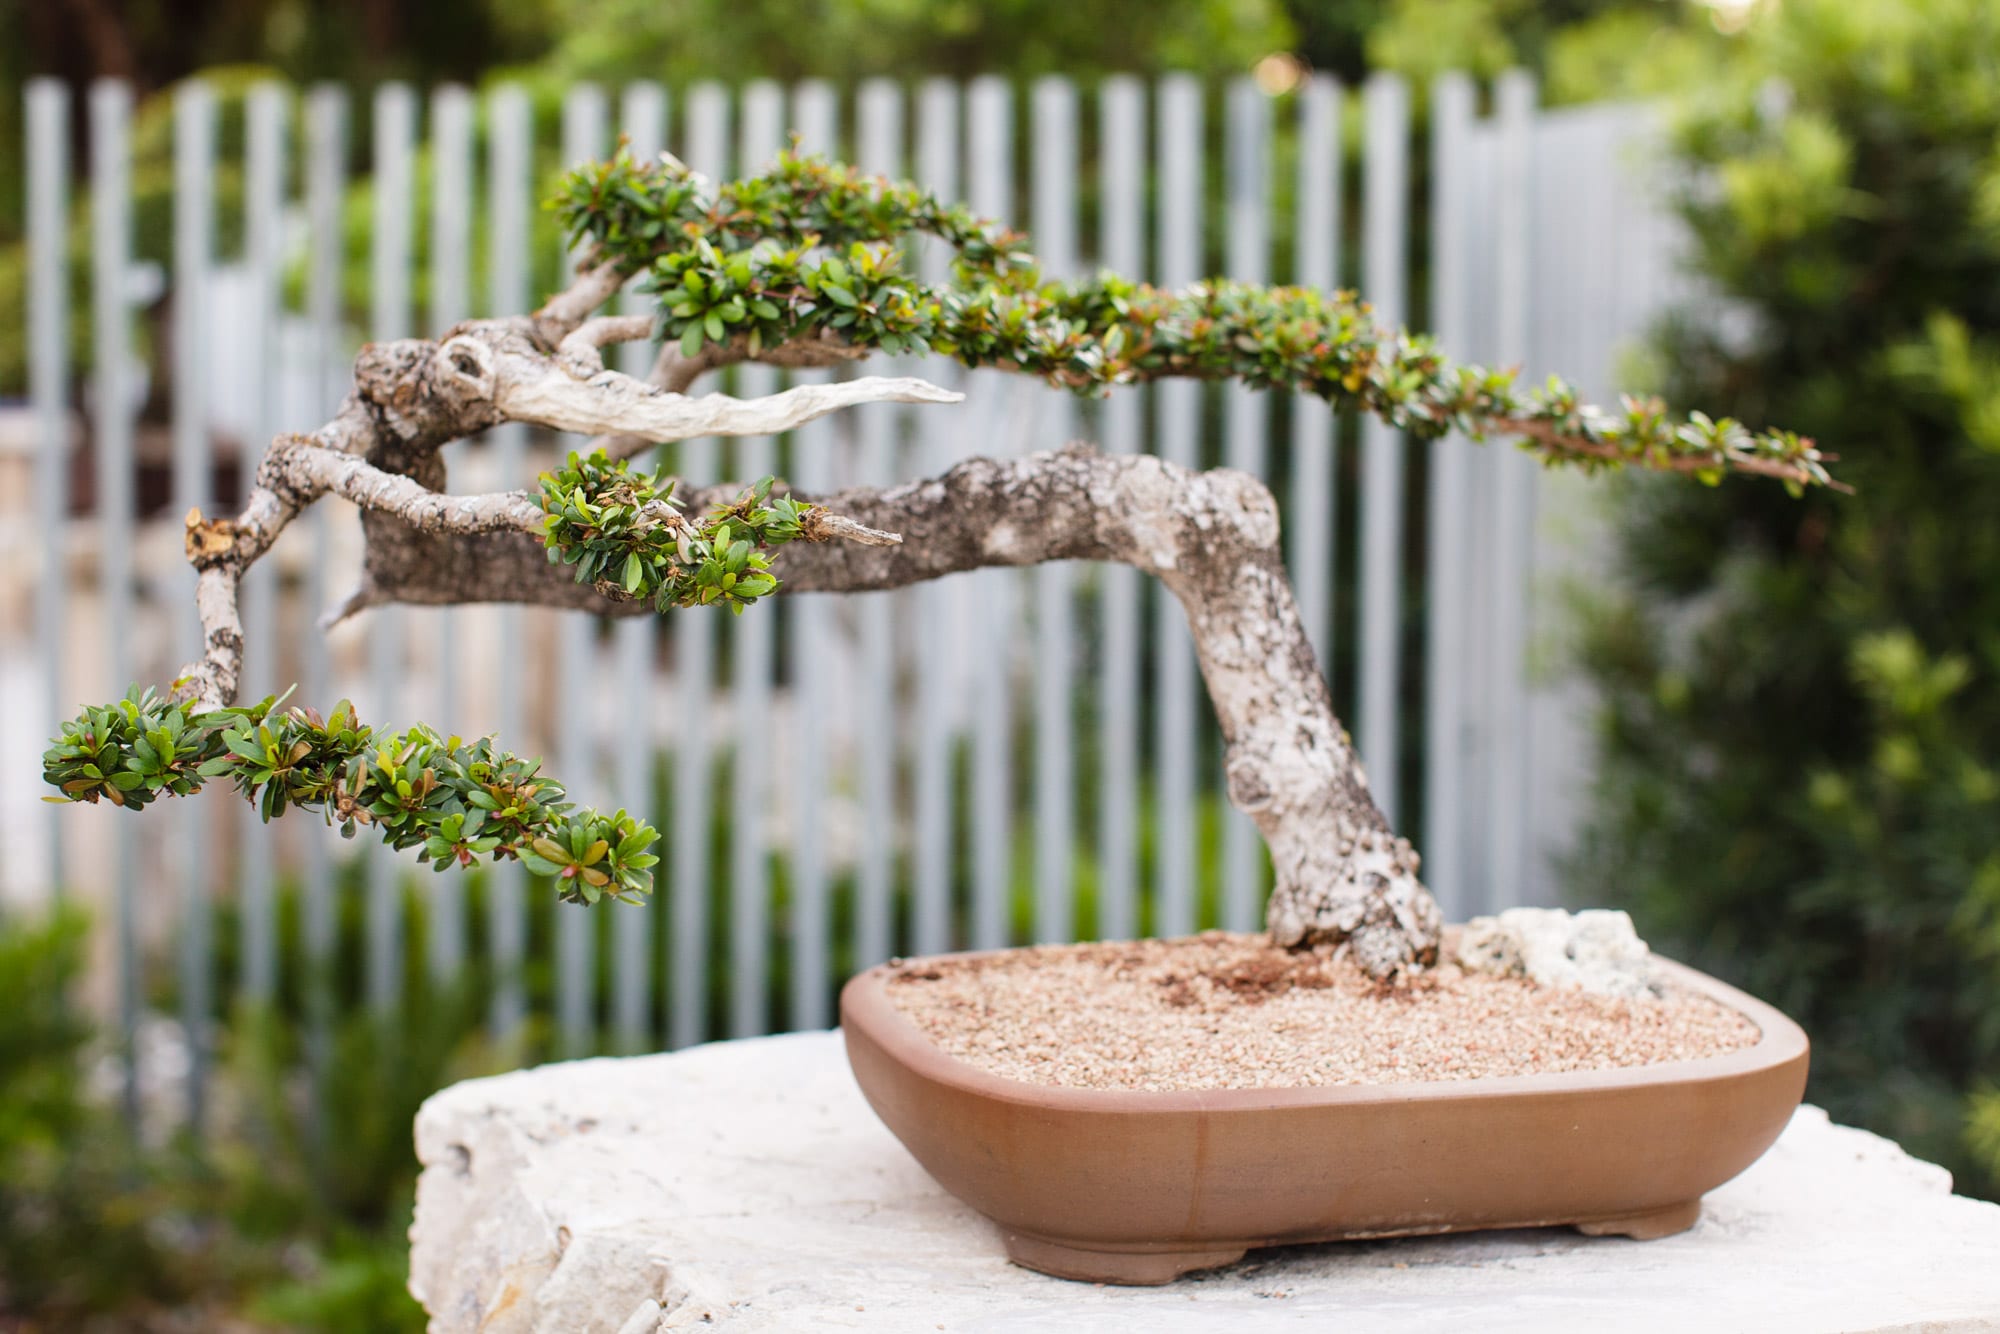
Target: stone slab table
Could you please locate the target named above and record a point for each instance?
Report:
(746, 1186)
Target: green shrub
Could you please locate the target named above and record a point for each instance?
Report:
(1800, 778)
(80, 1213)
(291, 1212)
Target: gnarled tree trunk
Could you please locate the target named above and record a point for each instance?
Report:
(1211, 537)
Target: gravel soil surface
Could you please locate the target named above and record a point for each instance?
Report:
(1221, 1011)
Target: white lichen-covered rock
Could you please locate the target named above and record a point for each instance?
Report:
(1594, 950)
(746, 1188)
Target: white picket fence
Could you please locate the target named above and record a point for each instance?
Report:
(847, 723)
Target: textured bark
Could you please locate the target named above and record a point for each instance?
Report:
(1211, 537)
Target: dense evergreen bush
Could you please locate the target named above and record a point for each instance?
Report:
(1801, 753)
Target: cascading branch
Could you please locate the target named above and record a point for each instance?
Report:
(812, 251)
(452, 802)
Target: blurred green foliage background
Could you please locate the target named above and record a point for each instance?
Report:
(1800, 767)
(1800, 754)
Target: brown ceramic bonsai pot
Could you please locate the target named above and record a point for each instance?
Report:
(1140, 1187)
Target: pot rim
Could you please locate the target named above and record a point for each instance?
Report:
(865, 1004)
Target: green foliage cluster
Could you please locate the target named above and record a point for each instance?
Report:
(453, 802)
(625, 534)
(1800, 777)
(810, 250)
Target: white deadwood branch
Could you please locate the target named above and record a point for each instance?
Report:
(540, 392)
(582, 352)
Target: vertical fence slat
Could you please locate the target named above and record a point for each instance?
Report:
(878, 148)
(1447, 661)
(1177, 409)
(1247, 417)
(395, 115)
(706, 150)
(450, 302)
(266, 120)
(326, 170)
(813, 690)
(937, 169)
(48, 393)
(751, 656)
(1476, 869)
(194, 234)
(989, 117)
(585, 118)
(1054, 226)
(1385, 202)
(451, 222)
(1512, 500)
(326, 113)
(642, 117)
(111, 365)
(1247, 188)
(1315, 463)
(509, 203)
(1121, 246)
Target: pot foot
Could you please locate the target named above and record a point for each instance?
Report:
(1132, 1268)
(1647, 1226)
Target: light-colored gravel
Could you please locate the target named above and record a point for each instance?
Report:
(1232, 1011)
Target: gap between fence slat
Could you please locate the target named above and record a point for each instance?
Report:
(1385, 214)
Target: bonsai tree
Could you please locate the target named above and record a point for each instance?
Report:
(801, 267)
